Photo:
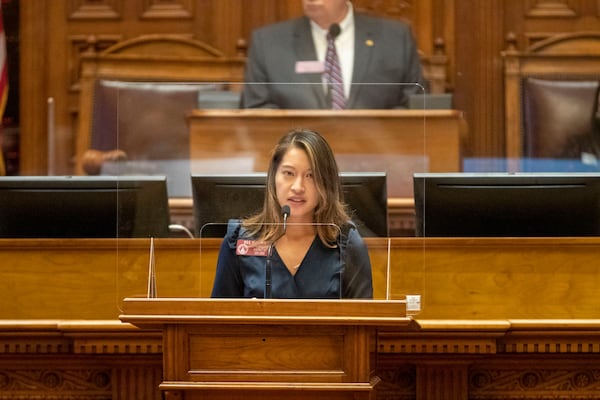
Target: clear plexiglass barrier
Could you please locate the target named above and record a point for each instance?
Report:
(170, 164)
(215, 162)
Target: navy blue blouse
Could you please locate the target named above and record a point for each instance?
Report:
(325, 273)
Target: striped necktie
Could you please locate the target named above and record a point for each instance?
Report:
(333, 72)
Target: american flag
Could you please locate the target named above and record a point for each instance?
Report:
(3, 84)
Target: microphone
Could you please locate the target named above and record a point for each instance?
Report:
(286, 213)
(285, 210)
(334, 31)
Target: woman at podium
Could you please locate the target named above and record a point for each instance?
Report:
(303, 243)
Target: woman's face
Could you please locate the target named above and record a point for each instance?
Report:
(295, 185)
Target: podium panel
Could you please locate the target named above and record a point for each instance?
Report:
(400, 142)
(262, 349)
(281, 352)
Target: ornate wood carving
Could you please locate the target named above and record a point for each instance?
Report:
(85, 45)
(70, 383)
(94, 9)
(531, 39)
(78, 360)
(550, 9)
(167, 9)
(587, 343)
(515, 381)
(490, 380)
(398, 383)
(399, 9)
(539, 359)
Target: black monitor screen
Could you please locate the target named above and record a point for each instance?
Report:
(218, 198)
(505, 204)
(83, 207)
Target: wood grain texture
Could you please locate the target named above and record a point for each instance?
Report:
(470, 278)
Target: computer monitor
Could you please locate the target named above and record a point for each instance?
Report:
(507, 204)
(218, 198)
(83, 207)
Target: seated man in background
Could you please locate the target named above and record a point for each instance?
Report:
(332, 58)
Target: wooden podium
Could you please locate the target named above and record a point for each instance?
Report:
(399, 142)
(267, 349)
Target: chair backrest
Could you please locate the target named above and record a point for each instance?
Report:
(146, 120)
(136, 94)
(549, 94)
(556, 115)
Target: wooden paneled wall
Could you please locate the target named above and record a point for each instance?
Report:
(477, 58)
(55, 33)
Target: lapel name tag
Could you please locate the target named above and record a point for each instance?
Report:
(251, 248)
(310, 67)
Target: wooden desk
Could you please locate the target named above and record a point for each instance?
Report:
(482, 278)
(502, 317)
(400, 142)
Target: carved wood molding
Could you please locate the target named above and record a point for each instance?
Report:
(67, 378)
(175, 46)
(400, 9)
(84, 345)
(87, 45)
(411, 344)
(533, 38)
(556, 380)
(586, 342)
(31, 338)
(70, 360)
(63, 383)
(572, 43)
(550, 9)
(495, 337)
(162, 9)
(513, 378)
(542, 359)
(398, 383)
(94, 9)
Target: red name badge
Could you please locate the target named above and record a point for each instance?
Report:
(251, 248)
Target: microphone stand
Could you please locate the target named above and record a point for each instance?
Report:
(268, 269)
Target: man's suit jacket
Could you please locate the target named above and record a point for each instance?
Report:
(386, 66)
